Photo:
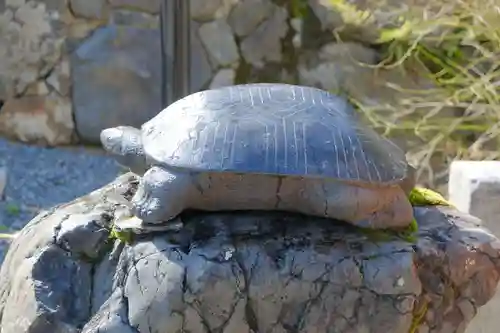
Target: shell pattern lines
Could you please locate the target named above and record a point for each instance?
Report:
(272, 129)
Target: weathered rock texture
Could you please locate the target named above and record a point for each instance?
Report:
(252, 272)
(71, 68)
(474, 187)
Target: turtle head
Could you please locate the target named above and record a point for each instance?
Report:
(125, 145)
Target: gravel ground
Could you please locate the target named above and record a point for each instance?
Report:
(39, 178)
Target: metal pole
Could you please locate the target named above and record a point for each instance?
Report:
(175, 50)
(182, 51)
(167, 56)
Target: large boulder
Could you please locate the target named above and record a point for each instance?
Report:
(116, 76)
(67, 271)
(116, 69)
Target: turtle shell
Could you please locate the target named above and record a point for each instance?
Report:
(271, 129)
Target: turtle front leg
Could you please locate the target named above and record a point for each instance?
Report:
(162, 195)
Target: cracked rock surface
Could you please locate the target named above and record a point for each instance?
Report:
(242, 272)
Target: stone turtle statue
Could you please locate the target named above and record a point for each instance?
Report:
(264, 147)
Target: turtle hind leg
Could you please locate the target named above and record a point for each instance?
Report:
(162, 195)
(376, 208)
(393, 210)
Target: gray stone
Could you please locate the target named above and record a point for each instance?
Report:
(329, 18)
(39, 88)
(346, 67)
(23, 25)
(328, 76)
(60, 78)
(242, 22)
(200, 69)
(354, 27)
(83, 235)
(474, 187)
(64, 279)
(204, 10)
(149, 6)
(353, 51)
(44, 119)
(135, 19)
(297, 24)
(219, 42)
(90, 9)
(336, 66)
(240, 273)
(342, 21)
(224, 77)
(116, 79)
(48, 276)
(78, 32)
(264, 44)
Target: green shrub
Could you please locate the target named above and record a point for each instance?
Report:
(456, 46)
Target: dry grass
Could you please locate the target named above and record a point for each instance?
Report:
(457, 47)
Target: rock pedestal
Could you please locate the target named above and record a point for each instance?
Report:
(243, 272)
(474, 187)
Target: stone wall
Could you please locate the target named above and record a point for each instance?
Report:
(69, 68)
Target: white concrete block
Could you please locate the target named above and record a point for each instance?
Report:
(474, 187)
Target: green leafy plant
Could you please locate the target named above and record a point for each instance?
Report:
(419, 313)
(407, 234)
(125, 236)
(13, 209)
(455, 48)
(298, 8)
